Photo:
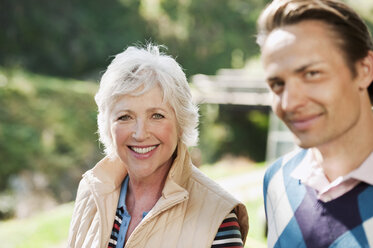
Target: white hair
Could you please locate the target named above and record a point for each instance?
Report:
(146, 67)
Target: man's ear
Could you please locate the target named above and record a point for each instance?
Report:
(365, 71)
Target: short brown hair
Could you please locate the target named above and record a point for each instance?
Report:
(355, 40)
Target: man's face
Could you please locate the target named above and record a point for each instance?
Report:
(313, 89)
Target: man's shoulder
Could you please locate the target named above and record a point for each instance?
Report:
(287, 162)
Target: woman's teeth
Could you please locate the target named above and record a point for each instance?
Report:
(142, 150)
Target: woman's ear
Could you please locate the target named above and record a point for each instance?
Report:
(365, 71)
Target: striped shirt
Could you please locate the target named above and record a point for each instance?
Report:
(229, 234)
(115, 231)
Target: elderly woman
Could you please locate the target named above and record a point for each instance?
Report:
(146, 192)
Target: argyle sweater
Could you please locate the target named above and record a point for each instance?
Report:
(296, 218)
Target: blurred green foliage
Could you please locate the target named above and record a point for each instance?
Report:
(67, 38)
(215, 33)
(76, 38)
(47, 125)
(234, 130)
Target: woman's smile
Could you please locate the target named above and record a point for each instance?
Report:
(143, 152)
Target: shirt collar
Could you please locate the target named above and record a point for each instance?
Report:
(309, 167)
(123, 193)
(365, 171)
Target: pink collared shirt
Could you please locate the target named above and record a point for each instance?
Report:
(311, 174)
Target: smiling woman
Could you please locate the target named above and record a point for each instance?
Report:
(146, 192)
(144, 131)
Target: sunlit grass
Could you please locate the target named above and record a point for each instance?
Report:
(219, 172)
(47, 229)
(256, 237)
(224, 169)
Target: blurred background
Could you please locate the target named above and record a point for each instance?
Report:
(52, 55)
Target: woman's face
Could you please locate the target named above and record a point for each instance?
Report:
(145, 135)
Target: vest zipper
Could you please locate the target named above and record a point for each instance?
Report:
(143, 223)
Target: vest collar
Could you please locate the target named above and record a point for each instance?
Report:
(179, 173)
(109, 173)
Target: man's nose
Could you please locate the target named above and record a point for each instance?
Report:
(293, 97)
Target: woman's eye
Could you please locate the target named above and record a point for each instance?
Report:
(124, 118)
(157, 116)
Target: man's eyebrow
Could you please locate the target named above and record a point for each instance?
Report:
(299, 69)
(304, 67)
(273, 79)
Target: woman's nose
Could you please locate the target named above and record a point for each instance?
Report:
(140, 132)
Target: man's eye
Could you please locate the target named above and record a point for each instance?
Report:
(276, 86)
(124, 118)
(157, 116)
(312, 74)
